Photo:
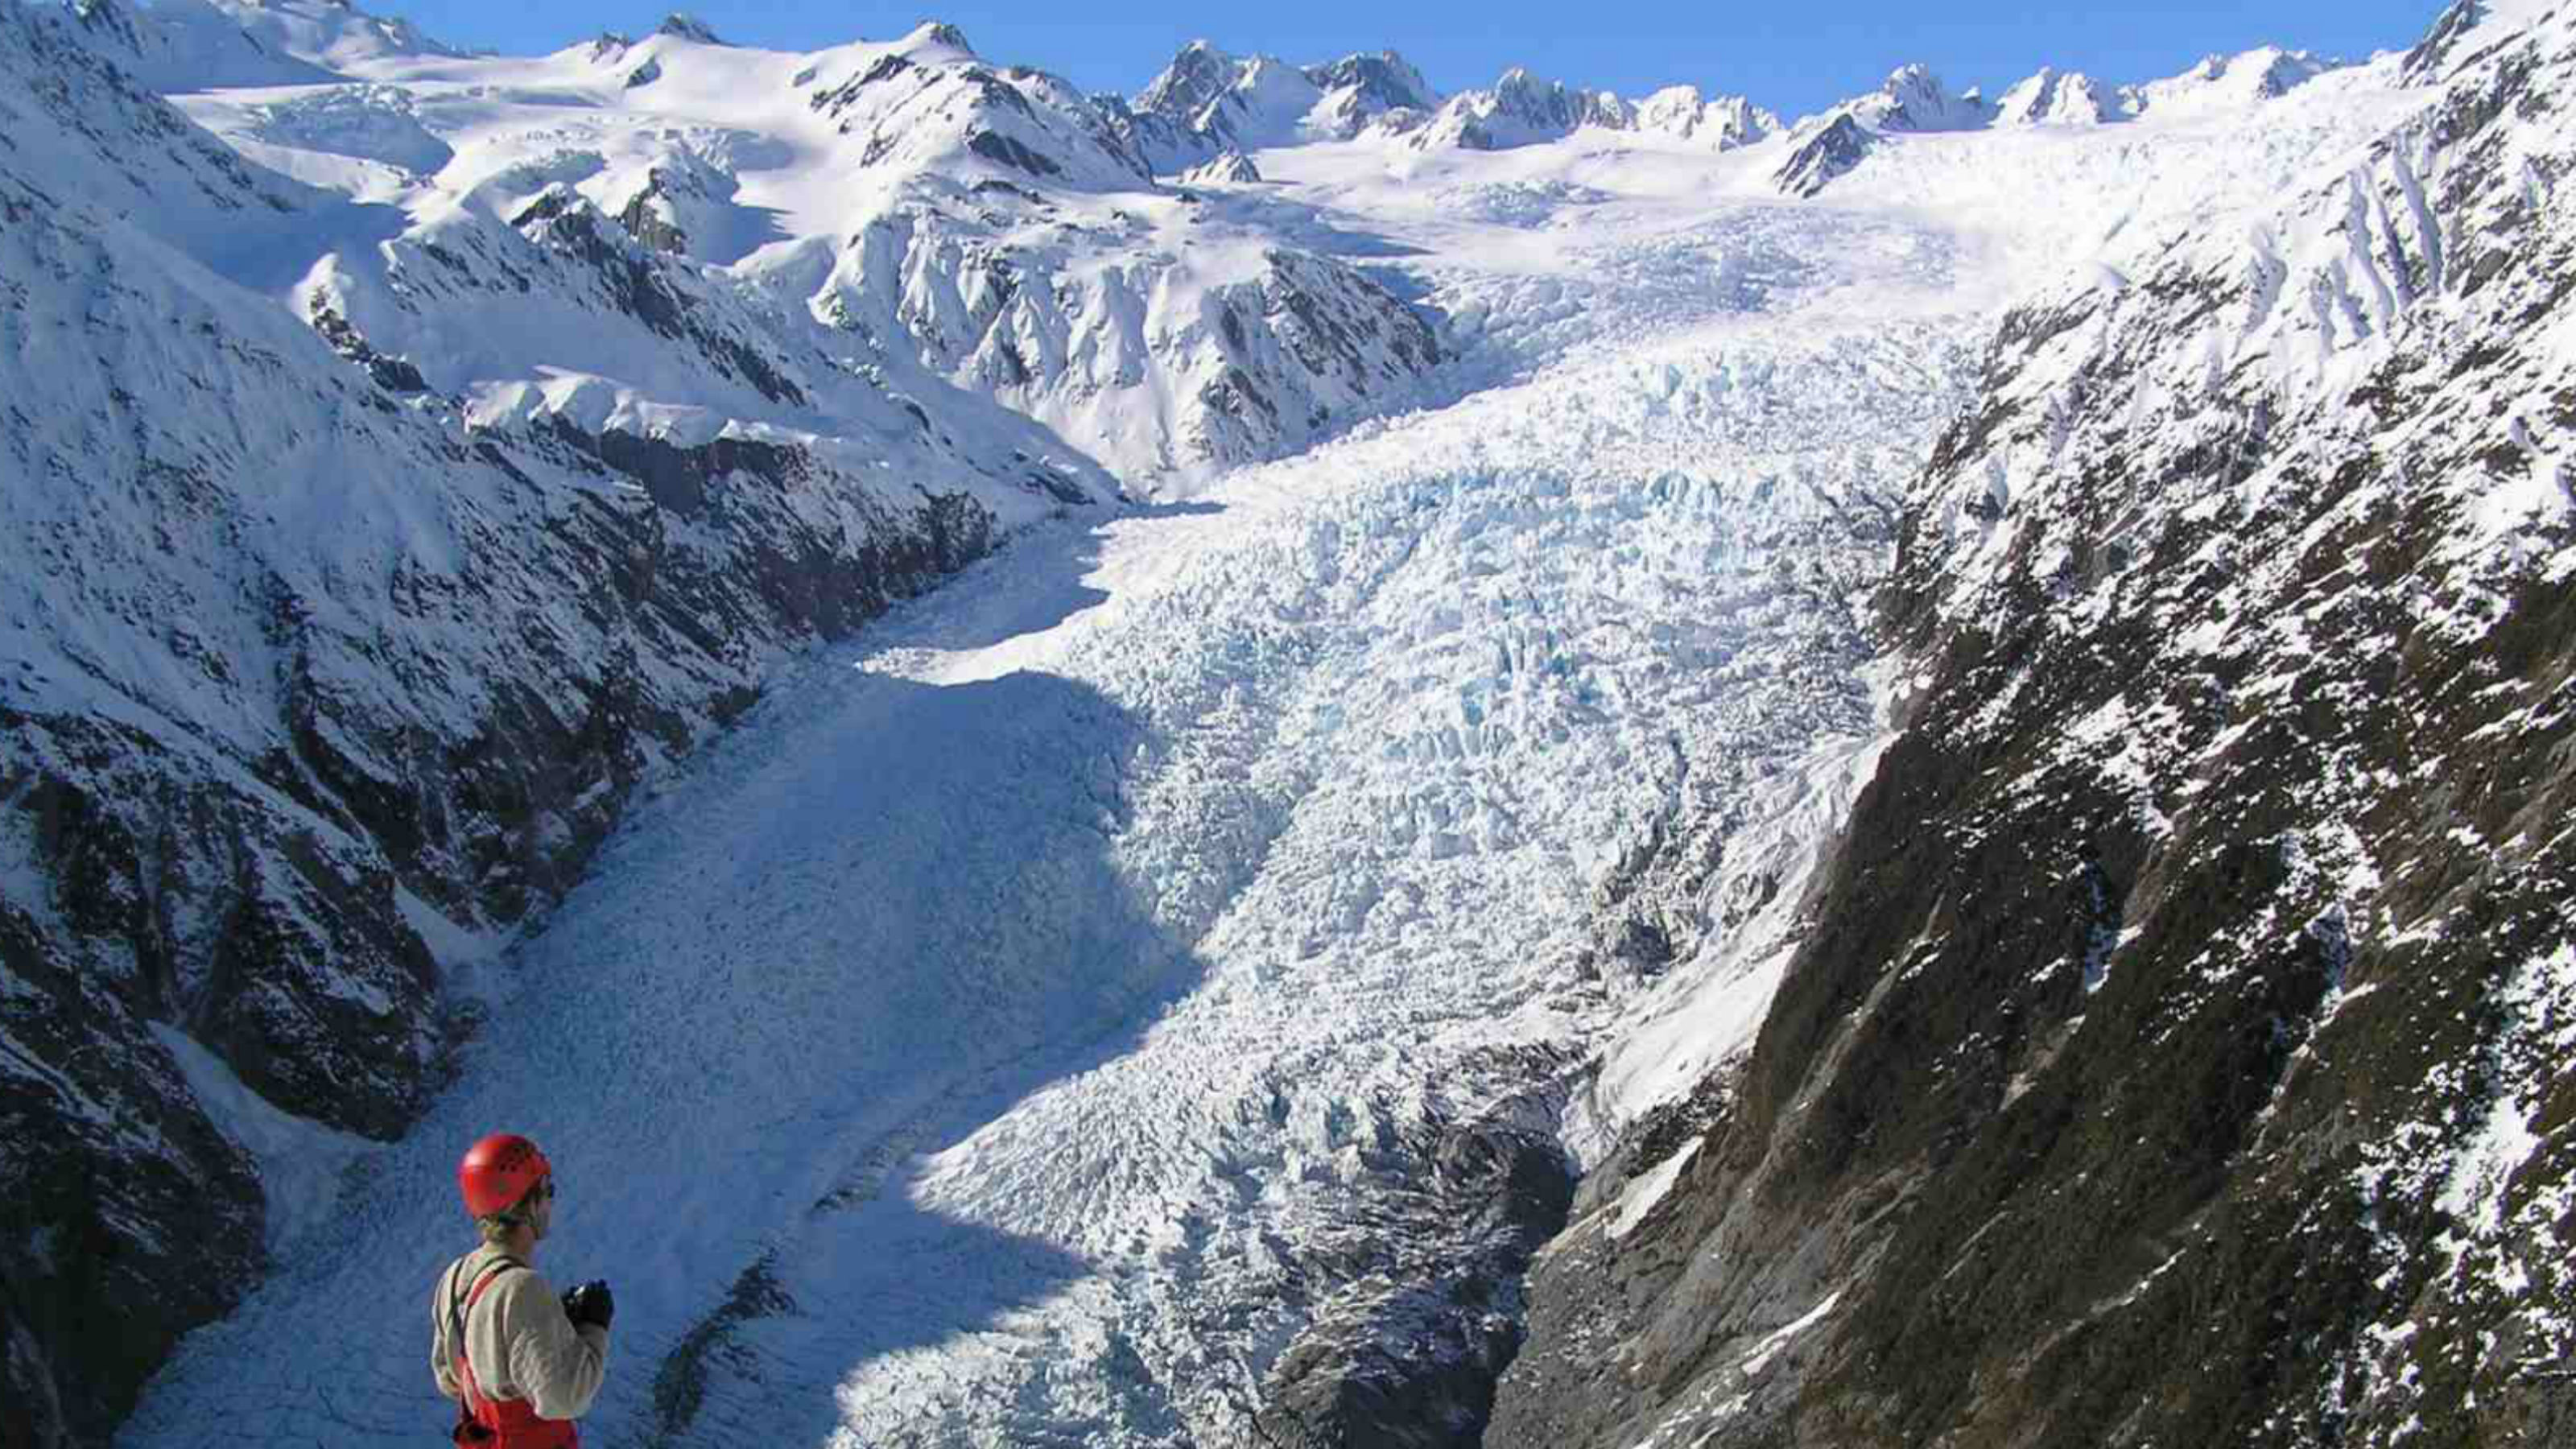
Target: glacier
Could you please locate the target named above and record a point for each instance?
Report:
(1203, 941)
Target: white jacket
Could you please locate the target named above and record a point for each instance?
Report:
(517, 1338)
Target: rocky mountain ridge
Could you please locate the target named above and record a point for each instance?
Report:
(2176, 1049)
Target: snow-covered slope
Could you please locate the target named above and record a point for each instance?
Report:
(311, 685)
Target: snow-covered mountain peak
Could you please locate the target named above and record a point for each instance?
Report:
(2056, 98)
(2469, 28)
(680, 25)
(1232, 168)
(926, 108)
(933, 40)
(1519, 109)
(1523, 108)
(2230, 82)
(1382, 82)
(1208, 101)
(1684, 113)
(333, 34)
(1913, 99)
(1197, 75)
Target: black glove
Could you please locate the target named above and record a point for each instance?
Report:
(590, 1302)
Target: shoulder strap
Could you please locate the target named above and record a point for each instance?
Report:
(457, 1303)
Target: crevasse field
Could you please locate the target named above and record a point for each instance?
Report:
(987, 1040)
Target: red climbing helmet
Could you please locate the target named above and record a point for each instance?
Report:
(498, 1171)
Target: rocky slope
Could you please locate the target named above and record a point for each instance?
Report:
(312, 686)
(2176, 1049)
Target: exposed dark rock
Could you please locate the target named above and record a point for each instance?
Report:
(645, 284)
(1824, 156)
(683, 26)
(2131, 1086)
(393, 374)
(1416, 1321)
(1003, 150)
(2433, 54)
(1384, 80)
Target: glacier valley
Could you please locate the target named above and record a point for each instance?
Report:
(1375, 626)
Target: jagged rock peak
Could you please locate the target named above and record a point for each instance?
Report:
(1208, 101)
(684, 26)
(1828, 154)
(1386, 78)
(1913, 99)
(2431, 54)
(1523, 109)
(937, 33)
(1197, 75)
(610, 45)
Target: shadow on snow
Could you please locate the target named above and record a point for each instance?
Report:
(862, 927)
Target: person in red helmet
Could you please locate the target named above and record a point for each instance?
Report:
(521, 1362)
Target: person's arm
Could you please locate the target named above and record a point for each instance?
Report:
(442, 1354)
(556, 1366)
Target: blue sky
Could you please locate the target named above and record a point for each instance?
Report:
(1791, 56)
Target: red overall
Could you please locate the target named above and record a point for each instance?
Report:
(499, 1423)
